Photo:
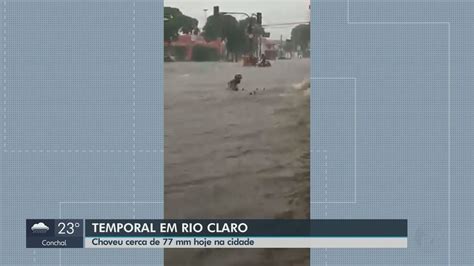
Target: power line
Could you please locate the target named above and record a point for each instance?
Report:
(285, 24)
(280, 27)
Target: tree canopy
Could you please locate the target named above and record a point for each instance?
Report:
(300, 35)
(227, 28)
(176, 22)
(236, 33)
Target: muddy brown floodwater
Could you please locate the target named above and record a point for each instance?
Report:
(234, 155)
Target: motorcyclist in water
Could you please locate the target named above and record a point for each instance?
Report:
(263, 61)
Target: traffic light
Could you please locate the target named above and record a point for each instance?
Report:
(216, 10)
(259, 18)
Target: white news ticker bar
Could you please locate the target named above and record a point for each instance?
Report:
(258, 242)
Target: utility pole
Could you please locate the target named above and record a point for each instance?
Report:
(280, 51)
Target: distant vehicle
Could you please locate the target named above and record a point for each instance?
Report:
(264, 62)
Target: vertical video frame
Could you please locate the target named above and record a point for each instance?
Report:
(237, 119)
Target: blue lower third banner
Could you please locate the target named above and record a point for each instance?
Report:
(74, 233)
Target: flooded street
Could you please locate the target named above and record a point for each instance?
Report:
(234, 155)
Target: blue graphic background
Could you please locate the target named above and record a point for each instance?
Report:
(391, 126)
(82, 121)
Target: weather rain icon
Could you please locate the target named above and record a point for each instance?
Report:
(39, 228)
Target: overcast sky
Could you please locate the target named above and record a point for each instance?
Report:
(274, 11)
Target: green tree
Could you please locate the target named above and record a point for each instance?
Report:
(227, 28)
(176, 22)
(300, 35)
(235, 33)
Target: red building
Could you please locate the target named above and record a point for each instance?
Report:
(186, 43)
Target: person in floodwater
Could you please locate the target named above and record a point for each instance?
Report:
(233, 84)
